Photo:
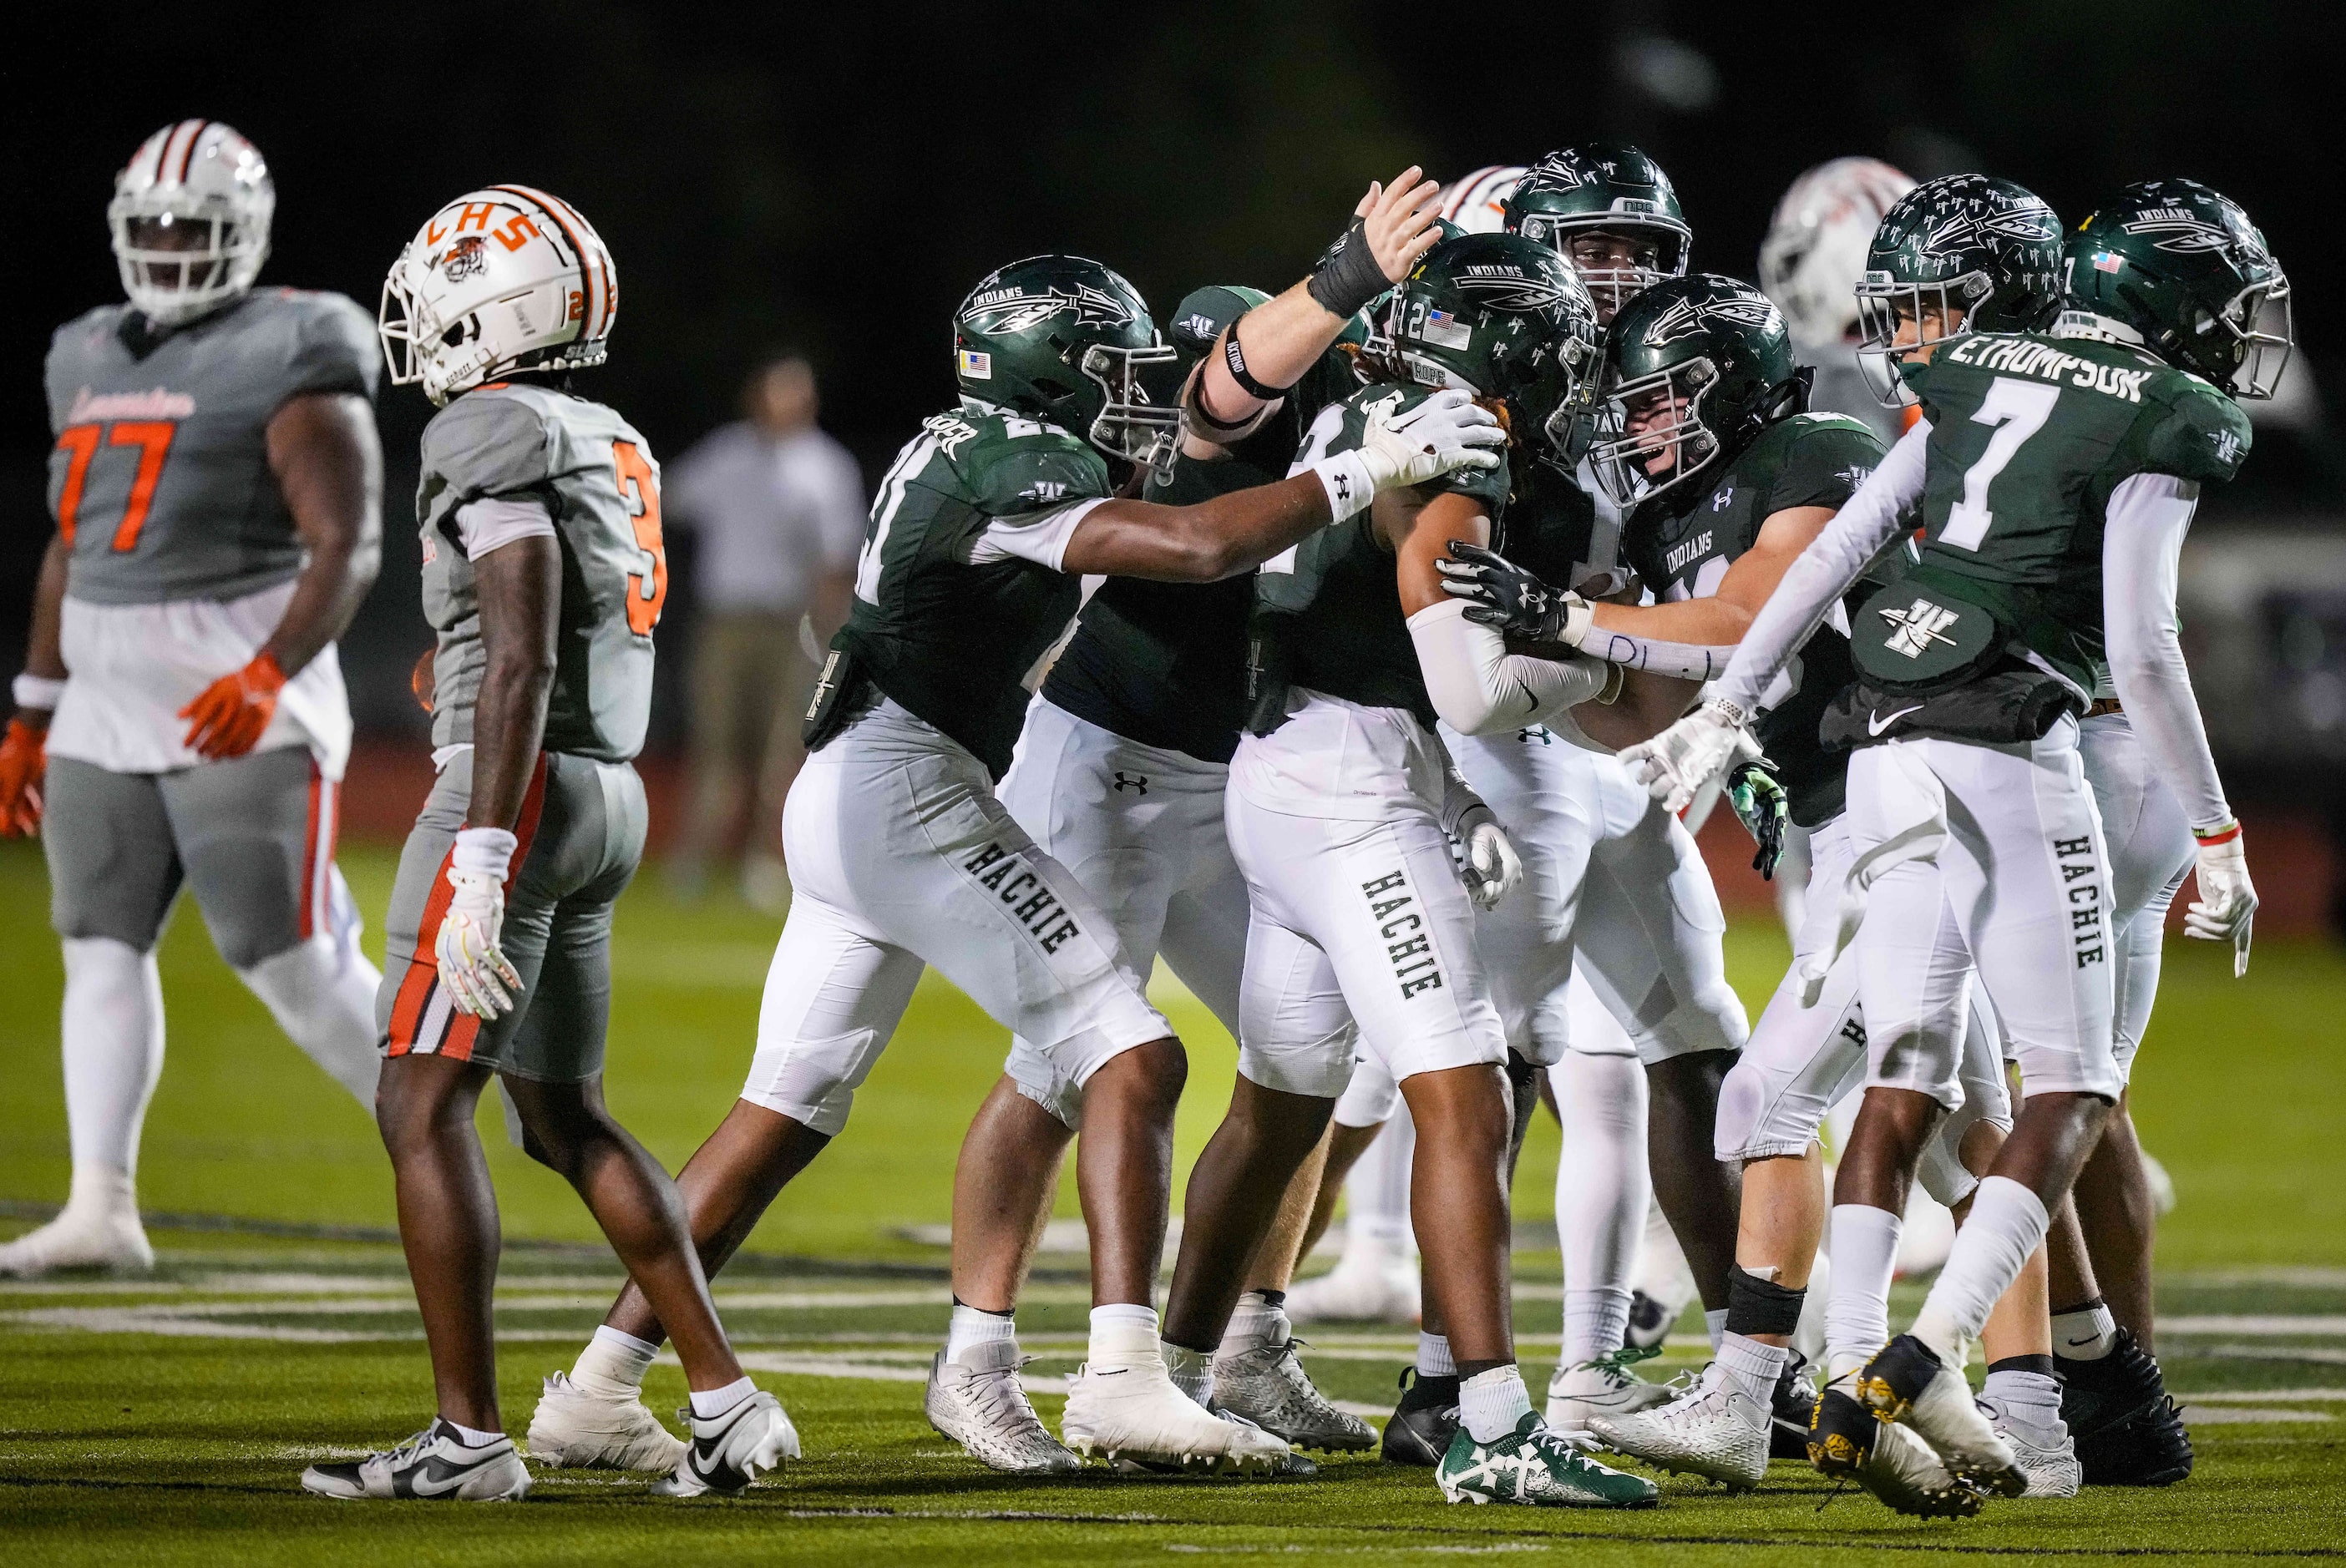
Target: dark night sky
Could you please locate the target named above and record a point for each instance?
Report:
(837, 176)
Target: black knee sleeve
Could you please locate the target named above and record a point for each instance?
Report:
(1757, 1306)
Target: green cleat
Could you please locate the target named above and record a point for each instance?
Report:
(1531, 1465)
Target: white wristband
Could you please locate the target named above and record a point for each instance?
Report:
(484, 852)
(32, 690)
(1345, 476)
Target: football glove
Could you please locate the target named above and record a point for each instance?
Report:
(471, 965)
(228, 716)
(23, 758)
(1448, 430)
(1504, 595)
(1675, 765)
(2226, 908)
(1479, 847)
(1764, 810)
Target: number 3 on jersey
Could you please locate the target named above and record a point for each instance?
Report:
(2016, 409)
(152, 437)
(640, 492)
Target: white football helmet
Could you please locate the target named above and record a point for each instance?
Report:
(195, 175)
(1478, 203)
(1814, 254)
(503, 278)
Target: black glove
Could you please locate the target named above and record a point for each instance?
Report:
(1506, 597)
(1760, 803)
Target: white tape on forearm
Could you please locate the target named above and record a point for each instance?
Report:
(32, 690)
(1346, 478)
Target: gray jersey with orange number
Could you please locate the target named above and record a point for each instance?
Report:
(595, 476)
(159, 479)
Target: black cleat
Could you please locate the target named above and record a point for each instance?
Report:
(1424, 1420)
(1848, 1444)
(2128, 1430)
(1839, 1434)
(1649, 1321)
(1794, 1406)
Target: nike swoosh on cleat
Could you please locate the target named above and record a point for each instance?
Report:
(435, 1477)
(1876, 726)
(2087, 1340)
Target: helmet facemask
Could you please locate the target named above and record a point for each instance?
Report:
(1682, 435)
(1610, 287)
(1884, 302)
(2263, 331)
(1141, 416)
(175, 283)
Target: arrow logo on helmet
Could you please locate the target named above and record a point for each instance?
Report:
(1685, 317)
(1016, 311)
(2181, 233)
(2028, 224)
(1509, 292)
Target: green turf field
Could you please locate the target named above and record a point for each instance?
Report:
(166, 1421)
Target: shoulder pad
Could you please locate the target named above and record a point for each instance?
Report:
(491, 441)
(1489, 486)
(2195, 432)
(335, 344)
(1011, 465)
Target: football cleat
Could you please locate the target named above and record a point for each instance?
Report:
(1136, 1412)
(1905, 1382)
(2048, 1456)
(1365, 1286)
(1603, 1387)
(1714, 1429)
(1795, 1403)
(1649, 1321)
(575, 1430)
(2128, 1431)
(435, 1464)
(1534, 1466)
(1294, 1466)
(1423, 1423)
(1268, 1385)
(109, 1238)
(730, 1450)
(980, 1404)
(1846, 1443)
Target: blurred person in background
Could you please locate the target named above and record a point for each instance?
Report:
(777, 508)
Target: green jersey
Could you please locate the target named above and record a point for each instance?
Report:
(1682, 542)
(2030, 432)
(958, 594)
(1328, 613)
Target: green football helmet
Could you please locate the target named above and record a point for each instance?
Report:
(1068, 341)
(1983, 254)
(1716, 352)
(1505, 319)
(1202, 314)
(2183, 269)
(1612, 186)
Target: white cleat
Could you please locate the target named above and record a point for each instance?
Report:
(575, 1430)
(1905, 1382)
(1267, 1385)
(433, 1465)
(1606, 1387)
(109, 1238)
(1136, 1412)
(1367, 1287)
(2048, 1455)
(980, 1405)
(729, 1451)
(1714, 1429)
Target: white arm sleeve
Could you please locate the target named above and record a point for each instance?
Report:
(1686, 661)
(1037, 536)
(484, 524)
(2142, 543)
(1823, 572)
(1478, 687)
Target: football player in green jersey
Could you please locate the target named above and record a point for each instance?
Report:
(2056, 472)
(902, 855)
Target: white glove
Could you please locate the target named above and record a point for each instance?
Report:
(2226, 908)
(478, 978)
(1485, 858)
(1449, 430)
(1699, 750)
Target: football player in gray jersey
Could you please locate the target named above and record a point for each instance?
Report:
(216, 488)
(543, 575)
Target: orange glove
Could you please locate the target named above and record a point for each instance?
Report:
(24, 756)
(226, 718)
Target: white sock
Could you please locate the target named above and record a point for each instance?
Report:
(1433, 1356)
(1493, 1403)
(1864, 1253)
(1809, 1338)
(322, 995)
(613, 1364)
(2033, 1396)
(1602, 1193)
(1376, 1192)
(112, 1034)
(2086, 1334)
(1754, 1367)
(709, 1403)
(2007, 1223)
(1255, 1322)
(1714, 1323)
(1192, 1372)
(1662, 1272)
(971, 1326)
(473, 1437)
(1124, 1334)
